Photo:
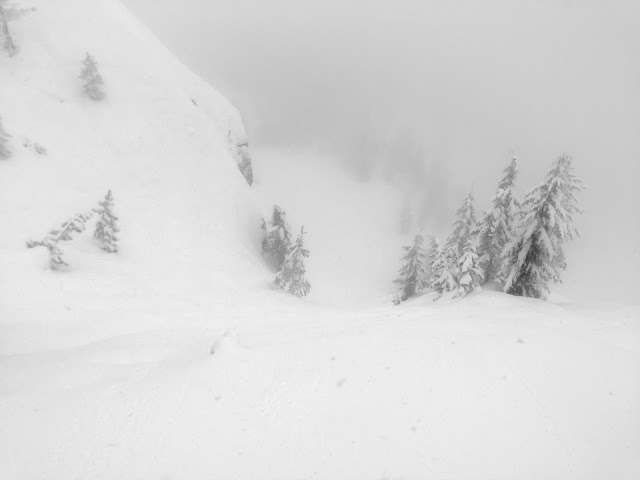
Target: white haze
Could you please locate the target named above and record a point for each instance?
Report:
(446, 92)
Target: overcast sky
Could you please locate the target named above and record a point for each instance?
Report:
(461, 85)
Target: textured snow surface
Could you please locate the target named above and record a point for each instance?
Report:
(175, 359)
(114, 385)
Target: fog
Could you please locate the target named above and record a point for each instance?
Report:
(437, 96)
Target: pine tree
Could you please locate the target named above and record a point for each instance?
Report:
(106, 227)
(8, 13)
(498, 225)
(93, 82)
(278, 239)
(432, 257)
(444, 269)
(412, 276)
(445, 278)
(535, 257)
(291, 277)
(462, 226)
(75, 224)
(468, 273)
(5, 152)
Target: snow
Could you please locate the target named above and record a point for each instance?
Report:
(176, 359)
(487, 388)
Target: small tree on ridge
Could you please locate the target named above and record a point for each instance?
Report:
(106, 226)
(93, 82)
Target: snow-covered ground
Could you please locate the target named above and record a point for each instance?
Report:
(175, 359)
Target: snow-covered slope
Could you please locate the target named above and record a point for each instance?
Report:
(175, 360)
(160, 141)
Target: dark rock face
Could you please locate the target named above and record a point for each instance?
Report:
(240, 149)
(244, 162)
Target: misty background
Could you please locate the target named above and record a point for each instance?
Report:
(435, 97)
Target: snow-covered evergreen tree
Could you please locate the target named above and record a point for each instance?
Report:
(444, 269)
(106, 226)
(498, 225)
(462, 226)
(413, 275)
(92, 80)
(432, 256)
(291, 277)
(468, 273)
(445, 265)
(278, 238)
(5, 152)
(535, 257)
(8, 13)
(75, 224)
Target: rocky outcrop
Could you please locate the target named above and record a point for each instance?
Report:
(240, 149)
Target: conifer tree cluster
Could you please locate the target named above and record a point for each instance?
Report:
(8, 13)
(105, 230)
(288, 258)
(106, 227)
(5, 152)
(519, 246)
(413, 274)
(92, 80)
